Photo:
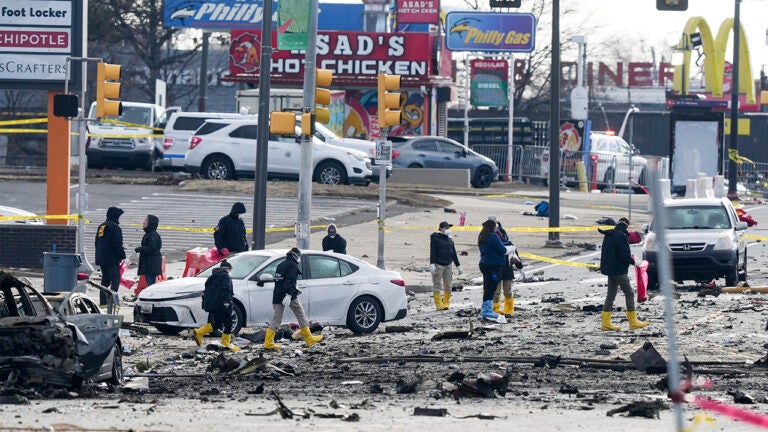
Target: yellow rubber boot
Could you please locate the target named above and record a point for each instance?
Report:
(439, 302)
(269, 341)
(200, 332)
(509, 306)
(634, 323)
(497, 307)
(226, 341)
(606, 324)
(447, 299)
(309, 339)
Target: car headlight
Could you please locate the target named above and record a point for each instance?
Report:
(724, 243)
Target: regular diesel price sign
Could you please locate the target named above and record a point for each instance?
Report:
(36, 36)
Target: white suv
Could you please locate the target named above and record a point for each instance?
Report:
(705, 240)
(180, 127)
(226, 149)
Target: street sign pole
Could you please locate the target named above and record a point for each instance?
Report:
(554, 130)
(383, 160)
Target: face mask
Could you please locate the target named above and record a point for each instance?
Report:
(332, 235)
(447, 232)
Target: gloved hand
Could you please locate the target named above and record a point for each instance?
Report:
(138, 249)
(227, 305)
(286, 301)
(510, 249)
(433, 269)
(224, 251)
(460, 270)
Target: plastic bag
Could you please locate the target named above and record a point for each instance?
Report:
(126, 283)
(641, 276)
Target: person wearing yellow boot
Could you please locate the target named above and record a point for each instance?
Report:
(217, 301)
(507, 274)
(615, 259)
(442, 253)
(285, 294)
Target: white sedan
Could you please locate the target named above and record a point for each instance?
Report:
(337, 289)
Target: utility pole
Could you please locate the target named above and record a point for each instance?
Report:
(262, 134)
(554, 130)
(303, 227)
(733, 142)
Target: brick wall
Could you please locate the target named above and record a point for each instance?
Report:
(22, 246)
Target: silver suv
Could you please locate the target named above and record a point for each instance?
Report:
(705, 239)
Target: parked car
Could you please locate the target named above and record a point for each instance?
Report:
(439, 152)
(179, 129)
(329, 137)
(131, 140)
(610, 154)
(337, 290)
(705, 240)
(43, 346)
(12, 211)
(226, 149)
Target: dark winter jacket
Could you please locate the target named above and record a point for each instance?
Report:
(615, 256)
(442, 250)
(230, 232)
(286, 275)
(336, 244)
(150, 258)
(109, 239)
(492, 251)
(218, 291)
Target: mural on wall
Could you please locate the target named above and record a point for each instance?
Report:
(360, 121)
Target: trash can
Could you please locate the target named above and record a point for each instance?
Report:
(60, 271)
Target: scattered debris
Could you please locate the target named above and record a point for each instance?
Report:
(648, 360)
(398, 329)
(640, 409)
(740, 397)
(430, 412)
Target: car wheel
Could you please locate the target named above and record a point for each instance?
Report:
(238, 318)
(743, 271)
(168, 330)
(483, 177)
(331, 173)
(415, 165)
(732, 275)
(364, 315)
(653, 282)
(117, 365)
(218, 167)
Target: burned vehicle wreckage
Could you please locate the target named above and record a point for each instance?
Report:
(42, 347)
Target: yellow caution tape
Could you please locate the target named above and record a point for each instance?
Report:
(21, 122)
(126, 124)
(15, 130)
(755, 237)
(517, 229)
(558, 261)
(110, 135)
(15, 218)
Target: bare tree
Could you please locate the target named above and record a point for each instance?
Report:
(132, 34)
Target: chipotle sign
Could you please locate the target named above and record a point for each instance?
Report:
(351, 54)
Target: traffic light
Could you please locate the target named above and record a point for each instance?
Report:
(672, 5)
(323, 78)
(308, 124)
(506, 3)
(107, 90)
(389, 103)
(282, 123)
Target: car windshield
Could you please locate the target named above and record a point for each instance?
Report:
(242, 266)
(134, 116)
(697, 217)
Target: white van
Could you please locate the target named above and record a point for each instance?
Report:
(179, 129)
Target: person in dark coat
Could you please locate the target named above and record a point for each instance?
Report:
(442, 253)
(217, 301)
(229, 234)
(110, 251)
(285, 294)
(507, 274)
(334, 241)
(615, 259)
(150, 258)
(493, 258)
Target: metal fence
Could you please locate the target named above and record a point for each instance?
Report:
(577, 169)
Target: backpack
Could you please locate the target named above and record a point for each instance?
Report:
(635, 237)
(542, 209)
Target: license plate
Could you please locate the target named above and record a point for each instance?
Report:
(146, 308)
